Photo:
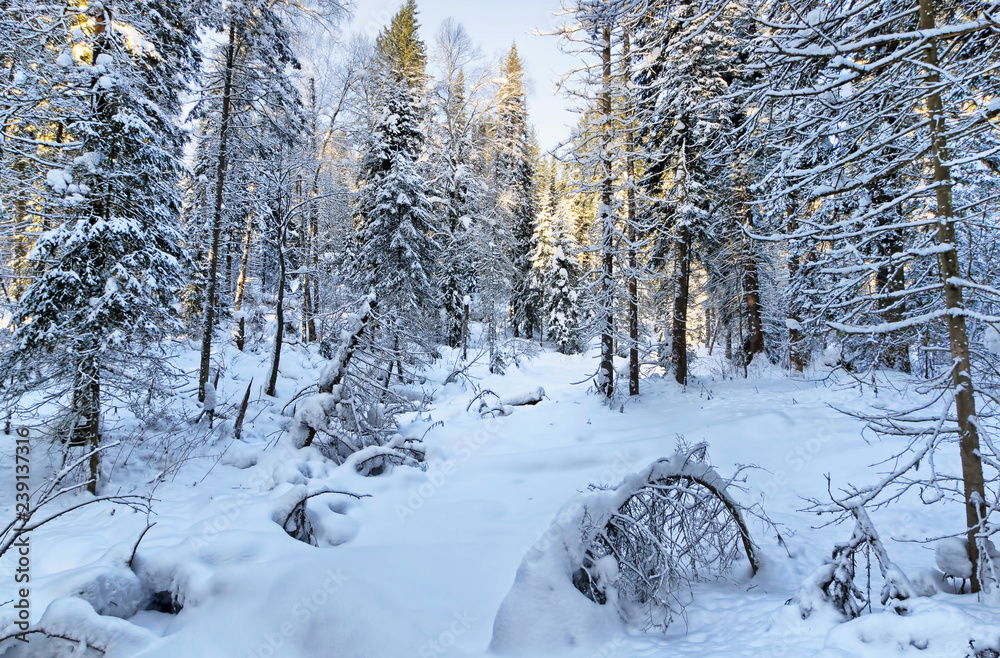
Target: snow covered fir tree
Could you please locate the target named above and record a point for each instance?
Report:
(548, 328)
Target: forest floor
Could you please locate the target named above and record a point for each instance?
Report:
(420, 565)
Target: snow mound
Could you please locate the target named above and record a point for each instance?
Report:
(111, 591)
(544, 611)
(547, 608)
(952, 557)
(919, 627)
(533, 396)
(73, 617)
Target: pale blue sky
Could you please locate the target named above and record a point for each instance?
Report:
(495, 24)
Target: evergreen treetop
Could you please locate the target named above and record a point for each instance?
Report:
(400, 50)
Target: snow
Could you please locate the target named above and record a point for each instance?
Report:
(473, 556)
(210, 397)
(952, 557)
(533, 396)
(58, 179)
(991, 339)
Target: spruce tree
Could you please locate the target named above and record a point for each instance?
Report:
(514, 165)
(106, 272)
(396, 252)
(562, 302)
(400, 50)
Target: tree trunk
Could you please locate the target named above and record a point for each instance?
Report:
(241, 284)
(220, 183)
(279, 309)
(798, 356)
(606, 374)
(632, 283)
(87, 393)
(633, 294)
(86, 430)
(754, 343)
(682, 255)
(891, 280)
(309, 232)
(465, 328)
(958, 337)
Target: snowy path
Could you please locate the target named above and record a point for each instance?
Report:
(452, 539)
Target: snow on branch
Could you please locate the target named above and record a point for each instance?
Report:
(834, 581)
(353, 412)
(636, 549)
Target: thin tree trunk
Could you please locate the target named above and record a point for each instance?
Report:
(241, 284)
(633, 298)
(958, 337)
(93, 424)
(682, 254)
(606, 375)
(797, 357)
(307, 319)
(632, 283)
(710, 335)
(279, 310)
(465, 328)
(891, 280)
(751, 306)
(220, 183)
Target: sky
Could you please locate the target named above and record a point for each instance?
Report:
(494, 25)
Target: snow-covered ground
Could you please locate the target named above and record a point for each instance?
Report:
(420, 564)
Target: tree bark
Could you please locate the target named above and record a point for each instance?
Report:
(754, 343)
(958, 337)
(678, 332)
(86, 431)
(279, 309)
(632, 283)
(241, 284)
(465, 329)
(220, 184)
(309, 233)
(606, 374)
